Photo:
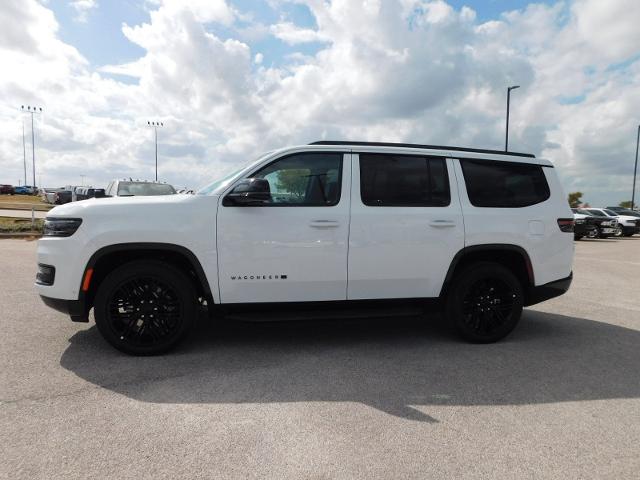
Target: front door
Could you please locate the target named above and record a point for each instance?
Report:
(406, 225)
(293, 247)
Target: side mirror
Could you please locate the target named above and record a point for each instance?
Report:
(250, 191)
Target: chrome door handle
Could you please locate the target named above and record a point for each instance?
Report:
(324, 224)
(442, 223)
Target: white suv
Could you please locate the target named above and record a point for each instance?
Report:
(327, 229)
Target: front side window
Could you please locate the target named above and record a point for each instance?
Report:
(305, 179)
(403, 181)
(499, 184)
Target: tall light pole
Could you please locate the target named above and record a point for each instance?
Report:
(635, 169)
(506, 134)
(24, 153)
(155, 126)
(31, 109)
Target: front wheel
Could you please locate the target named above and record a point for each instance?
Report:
(145, 307)
(485, 302)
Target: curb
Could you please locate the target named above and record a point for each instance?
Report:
(38, 208)
(23, 235)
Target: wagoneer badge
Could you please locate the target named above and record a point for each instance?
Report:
(259, 277)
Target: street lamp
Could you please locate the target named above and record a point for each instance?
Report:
(32, 110)
(635, 169)
(24, 154)
(506, 135)
(155, 126)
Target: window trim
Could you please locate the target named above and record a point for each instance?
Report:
(428, 168)
(462, 162)
(283, 205)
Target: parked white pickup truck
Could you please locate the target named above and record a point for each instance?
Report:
(313, 231)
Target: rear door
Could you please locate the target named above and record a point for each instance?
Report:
(517, 203)
(406, 225)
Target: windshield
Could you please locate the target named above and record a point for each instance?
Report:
(597, 213)
(130, 189)
(624, 211)
(223, 180)
(611, 213)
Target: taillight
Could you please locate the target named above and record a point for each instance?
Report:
(566, 224)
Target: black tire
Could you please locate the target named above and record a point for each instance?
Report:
(578, 237)
(484, 303)
(594, 233)
(145, 307)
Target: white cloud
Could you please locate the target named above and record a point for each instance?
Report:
(405, 70)
(291, 34)
(83, 8)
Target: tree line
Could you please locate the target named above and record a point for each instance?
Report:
(575, 201)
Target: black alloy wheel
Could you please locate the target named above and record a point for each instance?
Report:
(485, 302)
(145, 307)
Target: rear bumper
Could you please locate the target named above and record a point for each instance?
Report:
(549, 290)
(76, 309)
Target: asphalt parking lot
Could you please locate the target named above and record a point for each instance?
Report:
(387, 399)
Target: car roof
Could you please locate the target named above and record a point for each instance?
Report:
(412, 149)
(422, 147)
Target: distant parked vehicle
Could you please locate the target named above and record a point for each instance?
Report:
(624, 211)
(62, 197)
(629, 224)
(49, 195)
(84, 193)
(7, 189)
(131, 188)
(606, 226)
(585, 225)
(24, 190)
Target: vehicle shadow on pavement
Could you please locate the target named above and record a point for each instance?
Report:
(390, 365)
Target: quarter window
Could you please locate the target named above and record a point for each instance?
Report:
(306, 179)
(403, 181)
(498, 184)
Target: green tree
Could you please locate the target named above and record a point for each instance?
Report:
(625, 204)
(293, 181)
(575, 199)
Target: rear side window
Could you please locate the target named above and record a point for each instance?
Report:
(403, 181)
(504, 184)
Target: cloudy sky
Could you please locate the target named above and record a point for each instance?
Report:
(231, 79)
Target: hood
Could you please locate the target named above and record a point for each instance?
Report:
(119, 204)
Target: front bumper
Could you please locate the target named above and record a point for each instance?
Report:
(549, 290)
(583, 229)
(76, 309)
(630, 230)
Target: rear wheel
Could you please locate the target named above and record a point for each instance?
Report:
(593, 233)
(145, 307)
(485, 302)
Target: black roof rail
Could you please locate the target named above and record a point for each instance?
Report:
(416, 145)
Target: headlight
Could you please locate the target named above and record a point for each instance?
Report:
(61, 227)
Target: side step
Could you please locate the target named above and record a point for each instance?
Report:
(283, 313)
